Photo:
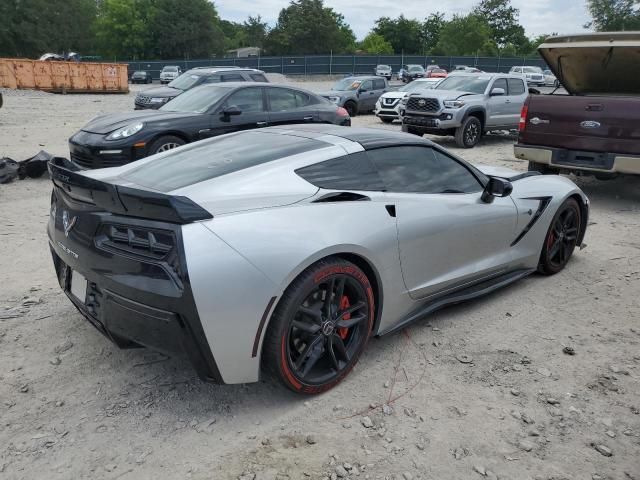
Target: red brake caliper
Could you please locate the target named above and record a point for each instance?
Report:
(344, 304)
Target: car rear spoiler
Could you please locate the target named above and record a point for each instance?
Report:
(121, 200)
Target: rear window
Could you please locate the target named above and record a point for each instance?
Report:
(258, 77)
(217, 157)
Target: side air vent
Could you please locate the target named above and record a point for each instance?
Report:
(154, 244)
(342, 197)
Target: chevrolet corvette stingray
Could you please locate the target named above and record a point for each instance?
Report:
(284, 249)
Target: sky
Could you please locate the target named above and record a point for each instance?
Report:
(537, 16)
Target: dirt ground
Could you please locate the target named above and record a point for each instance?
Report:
(478, 390)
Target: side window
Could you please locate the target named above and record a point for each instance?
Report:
(422, 170)
(367, 85)
(516, 86)
(281, 99)
(351, 172)
(258, 77)
(378, 84)
(212, 79)
(247, 100)
(500, 83)
(517, 70)
(232, 77)
(302, 99)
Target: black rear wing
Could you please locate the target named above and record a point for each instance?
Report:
(67, 177)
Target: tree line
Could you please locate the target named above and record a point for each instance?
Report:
(167, 29)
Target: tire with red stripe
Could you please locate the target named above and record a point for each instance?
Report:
(320, 327)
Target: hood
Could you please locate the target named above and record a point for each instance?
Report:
(108, 123)
(492, 171)
(395, 94)
(161, 92)
(445, 94)
(595, 63)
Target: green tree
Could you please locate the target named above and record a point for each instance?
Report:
(502, 18)
(404, 34)
(614, 15)
(307, 26)
(431, 29)
(186, 29)
(122, 28)
(29, 28)
(255, 31)
(467, 35)
(376, 44)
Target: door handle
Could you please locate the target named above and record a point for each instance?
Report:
(507, 101)
(261, 124)
(308, 118)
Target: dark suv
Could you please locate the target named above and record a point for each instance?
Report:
(158, 96)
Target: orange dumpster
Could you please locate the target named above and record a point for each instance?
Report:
(64, 77)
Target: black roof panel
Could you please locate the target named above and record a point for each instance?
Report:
(369, 138)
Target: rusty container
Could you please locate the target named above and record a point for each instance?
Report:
(64, 77)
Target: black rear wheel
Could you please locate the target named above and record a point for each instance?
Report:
(320, 327)
(561, 238)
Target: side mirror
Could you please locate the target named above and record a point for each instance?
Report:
(497, 187)
(231, 111)
(496, 92)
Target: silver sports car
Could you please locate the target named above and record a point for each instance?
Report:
(285, 249)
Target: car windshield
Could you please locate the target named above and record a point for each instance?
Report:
(385, 68)
(170, 69)
(347, 84)
(196, 100)
(416, 68)
(185, 81)
(139, 73)
(465, 83)
(532, 70)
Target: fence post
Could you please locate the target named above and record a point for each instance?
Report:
(282, 65)
(330, 62)
(353, 65)
(305, 66)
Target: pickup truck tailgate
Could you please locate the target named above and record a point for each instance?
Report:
(583, 123)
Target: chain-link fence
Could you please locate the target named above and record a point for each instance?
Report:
(339, 64)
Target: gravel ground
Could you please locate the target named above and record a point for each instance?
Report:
(477, 390)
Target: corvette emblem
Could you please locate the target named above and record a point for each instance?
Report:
(67, 222)
(590, 124)
(422, 103)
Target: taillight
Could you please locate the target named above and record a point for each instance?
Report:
(523, 118)
(341, 112)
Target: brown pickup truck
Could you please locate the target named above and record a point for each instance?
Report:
(595, 127)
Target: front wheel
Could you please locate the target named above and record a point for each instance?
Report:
(351, 108)
(412, 130)
(561, 238)
(386, 119)
(165, 143)
(320, 327)
(468, 135)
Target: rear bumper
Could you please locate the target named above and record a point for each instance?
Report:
(143, 321)
(578, 160)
